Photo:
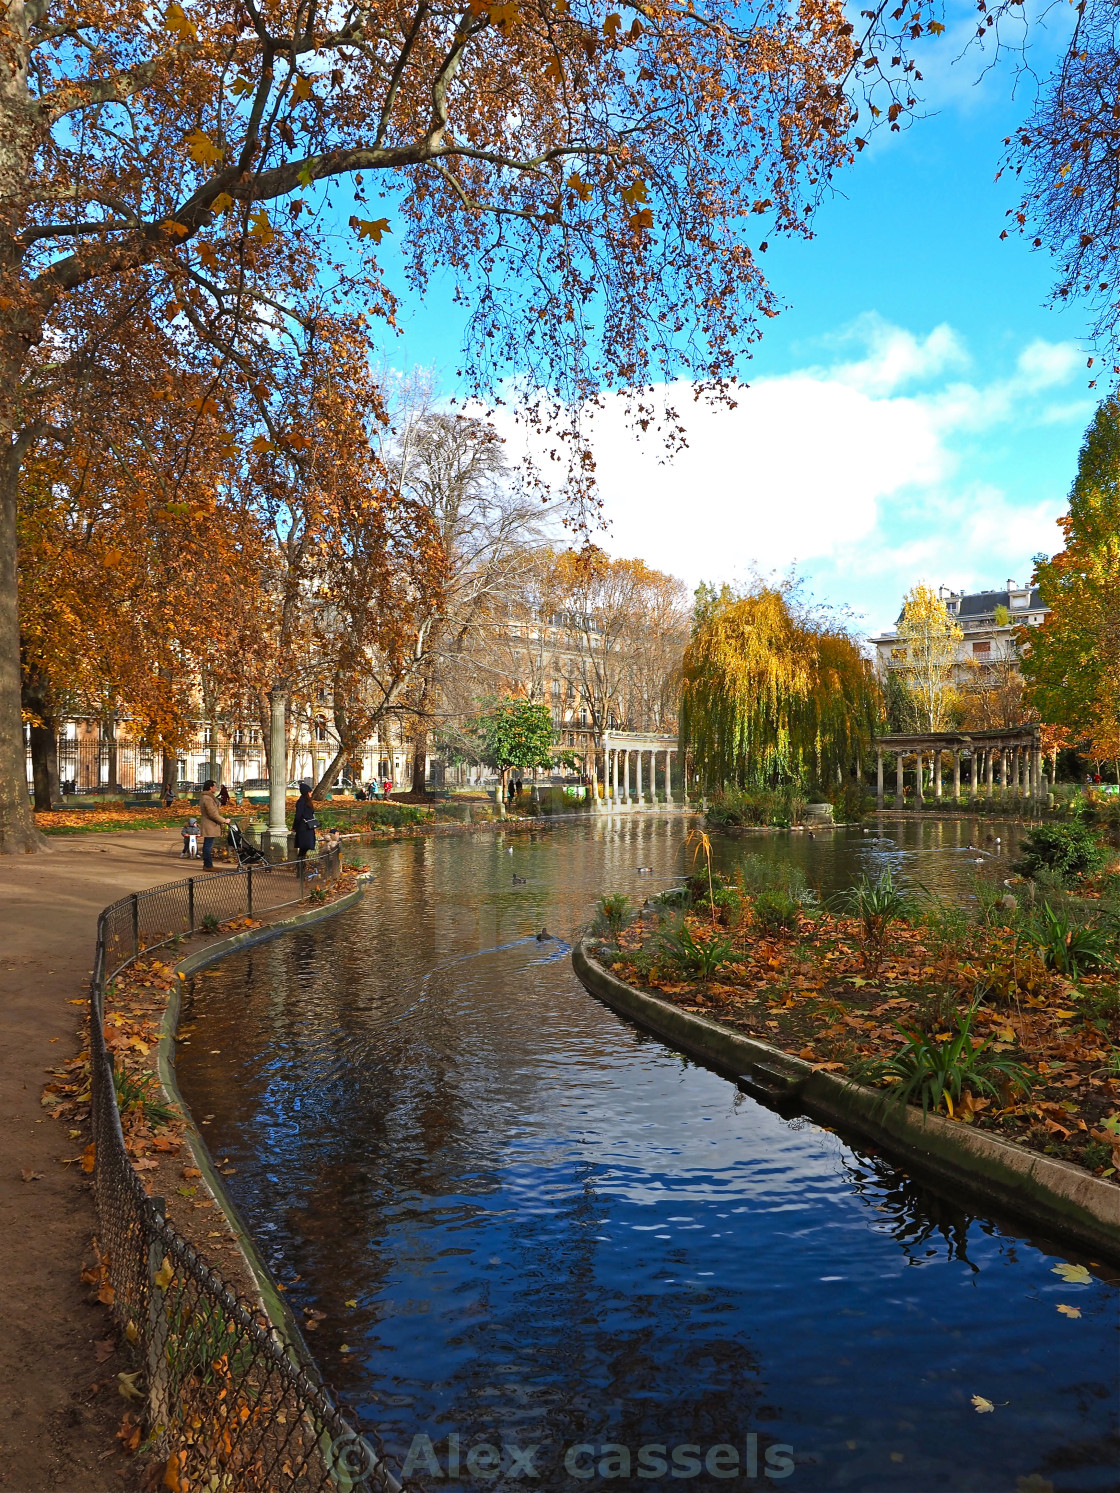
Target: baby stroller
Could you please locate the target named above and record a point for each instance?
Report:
(247, 855)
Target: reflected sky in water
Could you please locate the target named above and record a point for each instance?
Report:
(556, 1230)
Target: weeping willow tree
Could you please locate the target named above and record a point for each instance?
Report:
(769, 695)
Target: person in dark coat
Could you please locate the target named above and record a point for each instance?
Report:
(304, 821)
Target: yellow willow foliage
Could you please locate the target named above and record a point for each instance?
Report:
(766, 696)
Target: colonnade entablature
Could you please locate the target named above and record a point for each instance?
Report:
(626, 750)
(1006, 763)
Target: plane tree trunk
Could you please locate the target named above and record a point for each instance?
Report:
(17, 823)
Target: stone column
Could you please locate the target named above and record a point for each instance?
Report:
(989, 771)
(879, 779)
(668, 776)
(625, 775)
(612, 790)
(639, 795)
(1004, 770)
(899, 793)
(975, 778)
(956, 772)
(1036, 771)
(919, 797)
(937, 765)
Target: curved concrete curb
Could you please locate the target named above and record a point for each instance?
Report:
(273, 1303)
(1054, 1197)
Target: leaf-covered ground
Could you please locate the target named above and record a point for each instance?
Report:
(154, 1133)
(811, 990)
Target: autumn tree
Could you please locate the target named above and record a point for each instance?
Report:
(992, 696)
(929, 635)
(624, 629)
(588, 181)
(452, 467)
(772, 693)
(1065, 154)
(1071, 662)
(350, 561)
(136, 559)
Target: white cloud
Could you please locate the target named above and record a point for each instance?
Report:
(831, 468)
(896, 358)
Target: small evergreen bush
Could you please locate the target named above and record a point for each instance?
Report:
(1066, 850)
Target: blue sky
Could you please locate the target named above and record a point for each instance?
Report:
(914, 414)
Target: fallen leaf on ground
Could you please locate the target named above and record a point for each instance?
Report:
(88, 1155)
(126, 1385)
(104, 1349)
(27, 1175)
(129, 1433)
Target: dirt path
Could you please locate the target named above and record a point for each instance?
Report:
(59, 1407)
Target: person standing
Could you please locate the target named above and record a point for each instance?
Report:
(304, 822)
(212, 821)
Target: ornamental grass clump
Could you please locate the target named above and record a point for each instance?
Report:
(935, 1070)
(615, 911)
(1067, 947)
(877, 904)
(697, 956)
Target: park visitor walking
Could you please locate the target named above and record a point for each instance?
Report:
(212, 822)
(303, 823)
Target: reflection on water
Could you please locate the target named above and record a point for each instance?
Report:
(942, 856)
(528, 1224)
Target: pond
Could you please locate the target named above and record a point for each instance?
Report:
(521, 1224)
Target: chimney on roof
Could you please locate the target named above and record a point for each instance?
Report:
(1010, 584)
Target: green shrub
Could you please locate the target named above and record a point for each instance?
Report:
(732, 808)
(849, 801)
(775, 910)
(1066, 850)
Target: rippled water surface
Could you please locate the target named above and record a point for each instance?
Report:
(527, 1224)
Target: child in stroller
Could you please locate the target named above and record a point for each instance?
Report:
(247, 855)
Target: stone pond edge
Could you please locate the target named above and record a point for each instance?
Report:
(275, 1307)
(1052, 1197)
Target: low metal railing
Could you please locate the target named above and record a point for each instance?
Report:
(228, 1404)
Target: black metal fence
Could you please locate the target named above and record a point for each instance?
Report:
(229, 1406)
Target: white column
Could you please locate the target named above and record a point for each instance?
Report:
(638, 794)
(668, 776)
(626, 776)
(614, 776)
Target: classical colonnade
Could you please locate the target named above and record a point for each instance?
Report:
(625, 754)
(1003, 764)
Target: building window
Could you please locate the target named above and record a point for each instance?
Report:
(898, 655)
(981, 650)
(583, 717)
